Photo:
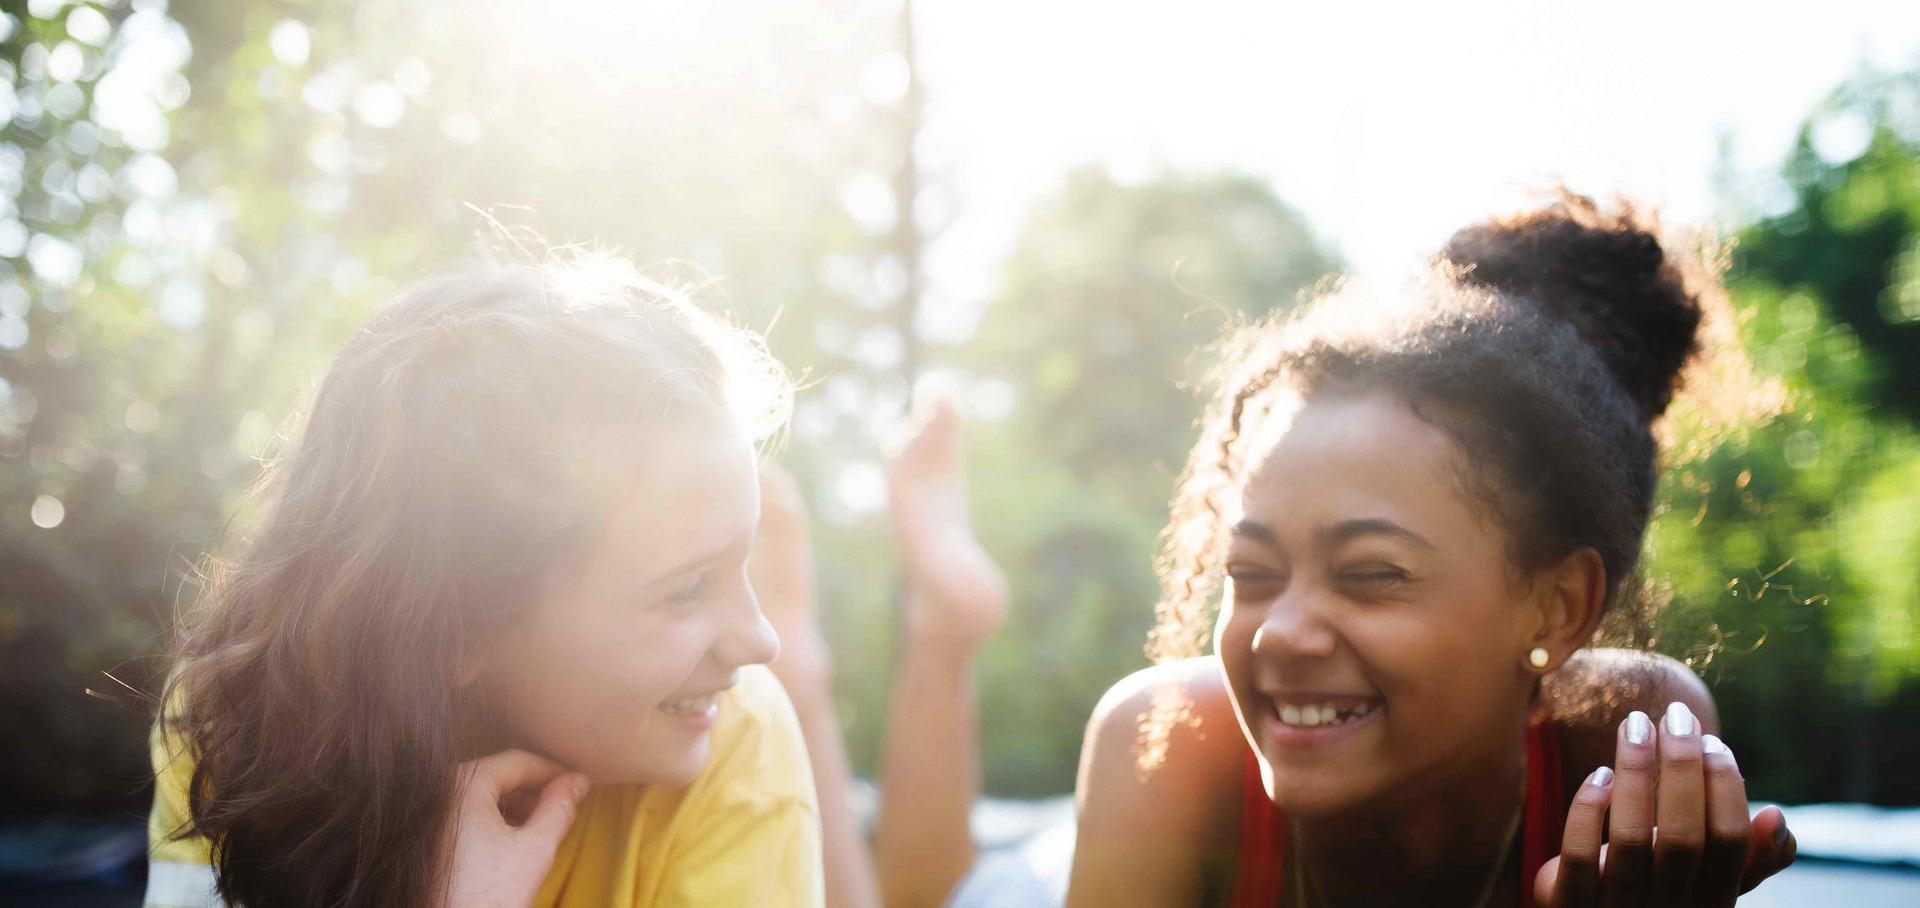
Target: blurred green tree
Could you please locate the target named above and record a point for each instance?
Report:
(1802, 532)
(1849, 236)
(1110, 294)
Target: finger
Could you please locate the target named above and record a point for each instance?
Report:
(1729, 829)
(500, 773)
(1772, 850)
(1546, 885)
(1630, 815)
(1682, 808)
(1573, 879)
(559, 805)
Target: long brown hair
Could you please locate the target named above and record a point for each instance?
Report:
(457, 454)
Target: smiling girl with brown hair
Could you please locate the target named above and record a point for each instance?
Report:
(503, 560)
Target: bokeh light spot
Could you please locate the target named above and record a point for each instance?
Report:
(48, 512)
(88, 24)
(290, 42)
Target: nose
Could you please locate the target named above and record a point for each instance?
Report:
(1295, 626)
(748, 638)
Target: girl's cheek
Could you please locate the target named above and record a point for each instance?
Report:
(678, 647)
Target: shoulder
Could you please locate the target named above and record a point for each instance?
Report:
(179, 864)
(169, 824)
(1205, 734)
(1189, 795)
(1599, 687)
(1593, 693)
(757, 747)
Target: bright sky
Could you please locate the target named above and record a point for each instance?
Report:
(1389, 125)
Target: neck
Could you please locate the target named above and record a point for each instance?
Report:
(1434, 841)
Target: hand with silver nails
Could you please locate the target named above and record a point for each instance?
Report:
(1667, 825)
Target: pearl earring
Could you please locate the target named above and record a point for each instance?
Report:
(1538, 657)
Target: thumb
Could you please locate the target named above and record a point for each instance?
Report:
(554, 814)
(1544, 884)
(1773, 847)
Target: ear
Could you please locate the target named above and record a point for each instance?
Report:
(1568, 599)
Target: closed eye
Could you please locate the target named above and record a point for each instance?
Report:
(1245, 576)
(1375, 574)
(691, 594)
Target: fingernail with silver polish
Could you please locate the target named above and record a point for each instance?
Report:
(1639, 727)
(1601, 777)
(1679, 719)
(1713, 745)
(1780, 834)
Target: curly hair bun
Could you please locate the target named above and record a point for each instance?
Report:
(1603, 270)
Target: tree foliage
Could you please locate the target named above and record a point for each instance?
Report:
(1792, 551)
(201, 200)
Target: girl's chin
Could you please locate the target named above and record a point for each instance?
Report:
(1317, 788)
(656, 763)
(1305, 795)
(680, 766)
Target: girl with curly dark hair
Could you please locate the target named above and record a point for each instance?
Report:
(1414, 519)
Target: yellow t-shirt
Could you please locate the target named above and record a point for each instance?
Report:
(746, 831)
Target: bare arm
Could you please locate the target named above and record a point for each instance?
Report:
(930, 775)
(1155, 837)
(930, 756)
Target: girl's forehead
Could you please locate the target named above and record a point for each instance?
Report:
(1332, 457)
(692, 492)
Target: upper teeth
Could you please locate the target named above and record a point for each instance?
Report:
(1321, 714)
(690, 706)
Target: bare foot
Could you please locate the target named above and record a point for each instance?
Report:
(957, 595)
(781, 572)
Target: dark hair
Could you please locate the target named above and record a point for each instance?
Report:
(458, 453)
(1546, 343)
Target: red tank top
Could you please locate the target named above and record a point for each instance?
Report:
(1263, 829)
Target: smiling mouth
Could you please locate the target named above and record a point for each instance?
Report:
(1312, 719)
(1324, 713)
(692, 707)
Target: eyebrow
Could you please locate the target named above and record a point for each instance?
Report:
(689, 565)
(1337, 534)
(1256, 531)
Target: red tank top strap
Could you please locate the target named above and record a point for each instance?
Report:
(1546, 806)
(1263, 830)
(1263, 843)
